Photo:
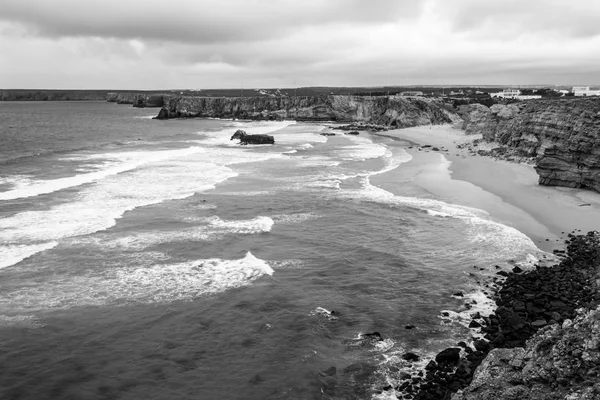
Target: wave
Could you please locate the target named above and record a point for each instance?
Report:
(14, 254)
(26, 187)
(157, 283)
(485, 236)
(255, 225)
(185, 281)
(99, 206)
(215, 229)
(363, 149)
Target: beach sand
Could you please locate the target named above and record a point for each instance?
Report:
(509, 192)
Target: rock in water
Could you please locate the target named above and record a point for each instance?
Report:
(252, 139)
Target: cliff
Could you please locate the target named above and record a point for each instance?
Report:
(139, 100)
(52, 95)
(562, 136)
(388, 111)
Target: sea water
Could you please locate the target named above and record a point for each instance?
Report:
(161, 260)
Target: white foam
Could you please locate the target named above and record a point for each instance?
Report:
(14, 254)
(157, 283)
(255, 225)
(363, 149)
(122, 162)
(294, 218)
(99, 206)
(214, 229)
(323, 312)
(186, 281)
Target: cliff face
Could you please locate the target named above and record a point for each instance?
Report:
(559, 362)
(563, 135)
(382, 110)
(52, 95)
(140, 100)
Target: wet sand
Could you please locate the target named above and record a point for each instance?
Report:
(507, 191)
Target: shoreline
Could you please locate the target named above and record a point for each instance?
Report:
(507, 191)
(532, 305)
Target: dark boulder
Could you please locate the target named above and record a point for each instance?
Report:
(410, 356)
(162, 114)
(451, 355)
(252, 139)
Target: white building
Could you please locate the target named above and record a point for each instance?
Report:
(507, 93)
(585, 91)
(514, 94)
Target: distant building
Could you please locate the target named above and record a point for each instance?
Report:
(585, 91)
(514, 94)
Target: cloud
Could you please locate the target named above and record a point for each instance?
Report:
(512, 18)
(258, 43)
(207, 21)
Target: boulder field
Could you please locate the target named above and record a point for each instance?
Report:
(542, 342)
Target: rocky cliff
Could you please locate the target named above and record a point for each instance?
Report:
(560, 362)
(563, 136)
(389, 111)
(52, 95)
(140, 100)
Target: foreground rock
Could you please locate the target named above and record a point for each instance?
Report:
(562, 136)
(560, 362)
(383, 111)
(252, 139)
(541, 341)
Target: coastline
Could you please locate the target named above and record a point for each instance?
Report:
(533, 306)
(512, 196)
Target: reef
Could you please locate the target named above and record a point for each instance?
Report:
(561, 137)
(385, 111)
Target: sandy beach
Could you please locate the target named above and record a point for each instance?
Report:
(509, 192)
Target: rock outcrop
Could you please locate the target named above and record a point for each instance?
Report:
(140, 100)
(388, 111)
(563, 136)
(560, 362)
(252, 139)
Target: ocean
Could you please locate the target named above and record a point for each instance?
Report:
(145, 259)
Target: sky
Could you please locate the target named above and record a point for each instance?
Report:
(202, 44)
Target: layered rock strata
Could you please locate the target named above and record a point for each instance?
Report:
(387, 111)
(563, 136)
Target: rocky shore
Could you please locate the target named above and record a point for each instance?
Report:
(384, 111)
(542, 341)
(560, 136)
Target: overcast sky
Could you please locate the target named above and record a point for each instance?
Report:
(151, 44)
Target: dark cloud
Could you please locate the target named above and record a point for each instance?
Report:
(207, 21)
